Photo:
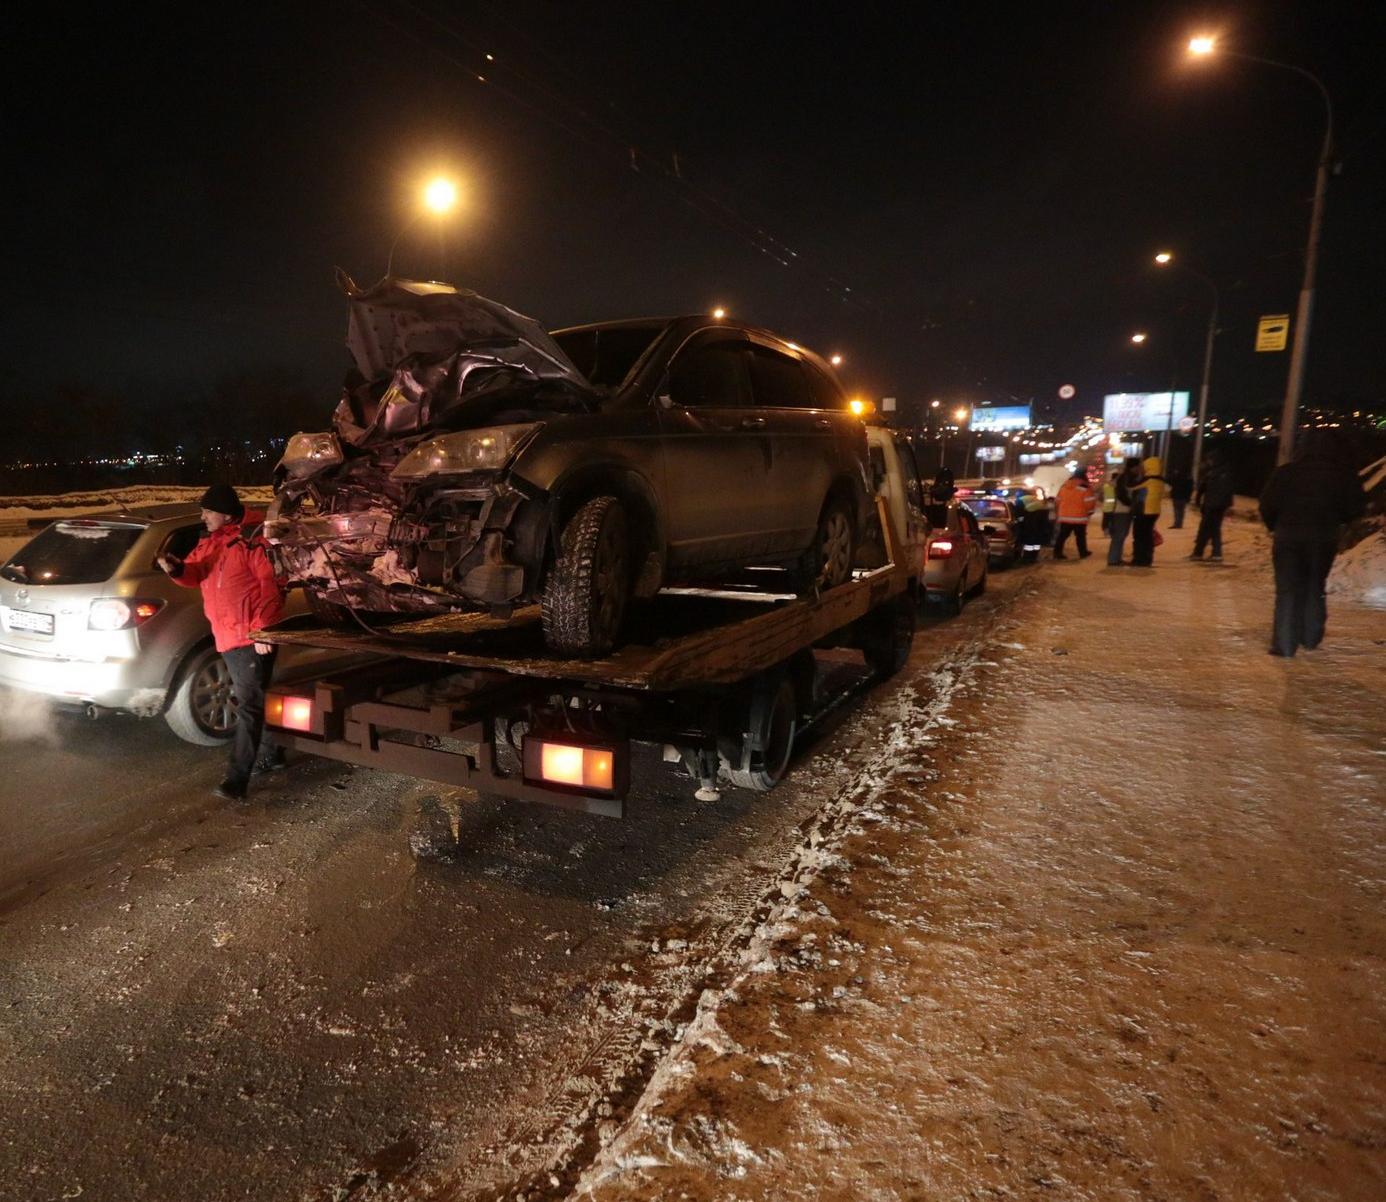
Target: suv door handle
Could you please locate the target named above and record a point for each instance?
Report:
(753, 423)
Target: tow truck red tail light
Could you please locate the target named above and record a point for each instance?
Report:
(572, 763)
(289, 712)
(940, 548)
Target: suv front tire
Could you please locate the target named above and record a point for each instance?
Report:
(585, 596)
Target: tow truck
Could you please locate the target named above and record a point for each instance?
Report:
(723, 680)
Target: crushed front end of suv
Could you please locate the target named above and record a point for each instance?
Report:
(478, 462)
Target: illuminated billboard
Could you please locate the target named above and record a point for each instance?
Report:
(1001, 417)
(1123, 411)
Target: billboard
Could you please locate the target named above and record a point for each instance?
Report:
(1144, 410)
(1001, 417)
(991, 454)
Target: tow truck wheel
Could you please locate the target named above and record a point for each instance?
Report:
(759, 758)
(889, 636)
(585, 597)
(201, 709)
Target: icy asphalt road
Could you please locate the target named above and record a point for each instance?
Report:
(276, 1000)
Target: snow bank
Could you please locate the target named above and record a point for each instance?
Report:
(1359, 573)
(19, 508)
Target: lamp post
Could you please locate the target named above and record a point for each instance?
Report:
(1204, 47)
(1163, 259)
(960, 415)
(439, 198)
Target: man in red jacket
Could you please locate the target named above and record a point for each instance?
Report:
(239, 594)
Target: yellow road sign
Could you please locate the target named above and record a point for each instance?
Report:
(1271, 332)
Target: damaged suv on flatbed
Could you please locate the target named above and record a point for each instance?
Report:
(477, 462)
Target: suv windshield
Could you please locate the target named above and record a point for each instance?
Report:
(72, 553)
(605, 354)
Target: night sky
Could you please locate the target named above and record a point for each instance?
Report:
(962, 199)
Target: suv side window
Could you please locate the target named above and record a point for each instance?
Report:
(777, 381)
(711, 374)
(969, 523)
(823, 393)
(183, 540)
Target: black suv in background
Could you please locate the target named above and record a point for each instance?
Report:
(478, 462)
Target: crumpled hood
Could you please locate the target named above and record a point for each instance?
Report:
(424, 351)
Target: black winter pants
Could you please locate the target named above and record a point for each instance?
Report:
(1080, 535)
(1210, 527)
(1301, 571)
(1178, 523)
(250, 676)
(1143, 539)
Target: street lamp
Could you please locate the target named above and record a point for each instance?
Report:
(1138, 337)
(718, 313)
(1205, 47)
(439, 197)
(835, 360)
(1164, 258)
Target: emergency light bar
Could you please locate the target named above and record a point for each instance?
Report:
(289, 712)
(576, 763)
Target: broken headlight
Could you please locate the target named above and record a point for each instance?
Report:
(481, 450)
(307, 453)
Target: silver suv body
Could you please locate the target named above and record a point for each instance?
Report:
(479, 462)
(88, 619)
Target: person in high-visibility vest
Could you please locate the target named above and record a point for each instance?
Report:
(1076, 503)
(1108, 502)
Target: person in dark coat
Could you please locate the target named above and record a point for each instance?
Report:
(1180, 491)
(1305, 505)
(1214, 500)
(943, 487)
(240, 594)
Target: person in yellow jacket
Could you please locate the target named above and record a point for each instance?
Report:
(1076, 503)
(1109, 501)
(1150, 494)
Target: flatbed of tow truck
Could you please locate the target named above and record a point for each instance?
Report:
(721, 678)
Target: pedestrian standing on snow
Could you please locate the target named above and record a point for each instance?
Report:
(1151, 494)
(1124, 505)
(240, 593)
(1180, 492)
(1075, 508)
(1034, 526)
(1108, 501)
(1305, 506)
(1214, 500)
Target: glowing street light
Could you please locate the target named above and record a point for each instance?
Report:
(718, 313)
(1138, 337)
(1204, 47)
(960, 414)
(1164, 257)
(835, 360)
(438, 197)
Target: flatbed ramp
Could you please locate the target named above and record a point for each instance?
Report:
(680, 639)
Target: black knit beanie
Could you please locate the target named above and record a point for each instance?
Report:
(221, 498)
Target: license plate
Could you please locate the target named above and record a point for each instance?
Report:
(23, 619)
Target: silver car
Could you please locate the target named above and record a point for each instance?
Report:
(955, 562)
(87, 619)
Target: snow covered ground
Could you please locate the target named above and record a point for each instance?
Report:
(1359, 573)
(1107, 924)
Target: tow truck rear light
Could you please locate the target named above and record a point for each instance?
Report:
(289, 712)
(576, 764)
(940, 548)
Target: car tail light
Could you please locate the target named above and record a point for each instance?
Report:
(121, 613)
(940, 548)
(599, 766)
(289, 712)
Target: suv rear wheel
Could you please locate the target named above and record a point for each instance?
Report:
(584, 601)
(829, 560)
(201, 709)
